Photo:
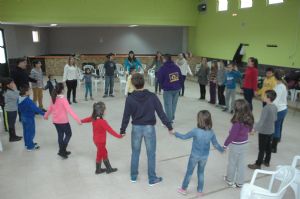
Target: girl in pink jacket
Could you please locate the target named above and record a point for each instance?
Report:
(59, 109)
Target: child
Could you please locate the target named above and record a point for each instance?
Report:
(213, 82)
(110, 68)
(221, 75)
(100, 127)
(37, 87)
(87, 77)
(202, 136)
(11, 96)
(242, 122)
(265, 127)
(129, 86)
(269, 83)
(51, 83)
(232, 76)
(28, 110)
(60, 109)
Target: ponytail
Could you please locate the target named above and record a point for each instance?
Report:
(57, 91)
(279, 76)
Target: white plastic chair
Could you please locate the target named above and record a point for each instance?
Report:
(151, 76)
(96, 81)
(91, 67)
(296, 183)
(251, 191)
(197, 67)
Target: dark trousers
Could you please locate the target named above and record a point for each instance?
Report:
(182, 85)
(109, 84)
(4, 119)
(157, 86)
(264, 146)
(202, 91)
(212, 92)
(248, 95)
(71, 87)
(11, 120)
(221, 96)
(64, 133)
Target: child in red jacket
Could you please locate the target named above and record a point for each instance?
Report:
(100, 127)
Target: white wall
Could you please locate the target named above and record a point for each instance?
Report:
(19, 42)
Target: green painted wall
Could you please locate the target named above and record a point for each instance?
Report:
(218, 34)
(153, 12)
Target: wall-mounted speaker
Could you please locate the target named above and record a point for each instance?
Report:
(202, 7)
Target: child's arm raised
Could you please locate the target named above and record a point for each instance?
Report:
(110, 130)
(185, 136)
(87, 120)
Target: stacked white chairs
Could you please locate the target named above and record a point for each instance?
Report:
(96, 81)
(151, 76)
(296, 183)
(252, 191)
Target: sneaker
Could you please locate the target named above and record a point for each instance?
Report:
(74, 101)
(15, 139)
(36, 147)
(104, 96)
(225, 109)
(68, 152)
(69, 102)
(200, 194)
(133, 180)
(230, 184)
(238, 185)
(62, 155)
(253, 166)
(156, 181)
(181, 191)
(111, 95)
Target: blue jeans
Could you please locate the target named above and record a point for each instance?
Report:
(278, 123)
(146, 132)
(88, 89)
(193, 161)
(248, 95)
(109, 83)
(28, 131)
(64, 133)
(170, 103)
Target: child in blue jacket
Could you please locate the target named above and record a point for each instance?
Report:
(28, 110)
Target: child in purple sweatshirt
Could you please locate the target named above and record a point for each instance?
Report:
(242, 122)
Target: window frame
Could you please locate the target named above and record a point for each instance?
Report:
(218, 6)
(240, 5)
(4, 46)
(33, 36)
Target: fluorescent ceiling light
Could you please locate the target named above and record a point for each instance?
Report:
(234, 14)
(53, 24)
(132, 26)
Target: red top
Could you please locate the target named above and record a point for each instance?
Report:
(100, 127)
(250, 80)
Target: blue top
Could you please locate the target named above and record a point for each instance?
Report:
(201, 141)
(231, 79)
(28, 108)
(169, 76)
(134, 64)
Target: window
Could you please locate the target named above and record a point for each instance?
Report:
(246, 3)
(275, 1)
(35, 36)
(2, 48)
(223, 5)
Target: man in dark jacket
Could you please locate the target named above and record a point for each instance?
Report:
(141, 106)
(169, 76)
(19, 74)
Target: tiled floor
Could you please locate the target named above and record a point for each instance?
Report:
(42, 174)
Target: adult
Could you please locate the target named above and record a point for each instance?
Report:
(281, 104)
(110, 68)
(20, 75)
(71, 76)
(221, 78)
(169, 76)
(156, 65)
(37, 87)
(184, 68)
(203, 74)
(250, 80)
(132, 62)
(141, 106)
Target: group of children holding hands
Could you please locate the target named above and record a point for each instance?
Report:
(202, 135)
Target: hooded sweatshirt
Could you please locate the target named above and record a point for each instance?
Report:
(141, 107)
(169, 76)
(28, 108)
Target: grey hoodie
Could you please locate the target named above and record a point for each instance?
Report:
(11, 100)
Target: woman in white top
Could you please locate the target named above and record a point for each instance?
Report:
(185, 69)
(281, 104)
(71, 75)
